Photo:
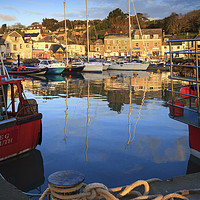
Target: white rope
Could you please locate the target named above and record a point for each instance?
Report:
(100, 191)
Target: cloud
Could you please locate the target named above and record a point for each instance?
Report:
(33, 12)
(10, 7)
(7, 17)
(33, 2)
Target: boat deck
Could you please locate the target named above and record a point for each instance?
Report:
(189, 117)
(9, 191)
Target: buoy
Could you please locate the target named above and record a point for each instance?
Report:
(135, 74)
(113, 77)
(186, 90)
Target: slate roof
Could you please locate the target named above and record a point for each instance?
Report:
(147, 32)
(31, 34)
(55, 47)
(116, 35)
(14, 34)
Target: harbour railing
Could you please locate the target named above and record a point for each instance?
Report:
(184, 67)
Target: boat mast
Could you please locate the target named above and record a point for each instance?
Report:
(129, 22)
(66, 34)
(87, 32)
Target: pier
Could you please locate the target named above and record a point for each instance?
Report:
(9, 191)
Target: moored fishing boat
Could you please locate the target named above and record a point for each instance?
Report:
(23, 70)
(54, 67)
(186, 108)
(74, 66)
(20, 129)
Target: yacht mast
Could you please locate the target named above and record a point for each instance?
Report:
(129, 22)
(66, 34)
(87, 32)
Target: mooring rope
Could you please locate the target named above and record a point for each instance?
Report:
(100, 191)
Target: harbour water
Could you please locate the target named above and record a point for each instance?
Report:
(112, 127)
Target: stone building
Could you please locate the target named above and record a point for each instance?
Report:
(147, 43)
(116, 45)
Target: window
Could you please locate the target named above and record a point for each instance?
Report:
(178, 47)
(14, 47)
(108, 47)
(46, 46)
(146, 36)
(27, 46)
(113, 47)
(20, 46)
(108, 41)
(119, 47)
(119, 41)
(136, 44)
(15, 38)
(155, 44)
(146, 44)
(97, 49)
(7, 45)
(136, 37)
(125, 41)
(114, 42)
(155, 36)
(125, 47)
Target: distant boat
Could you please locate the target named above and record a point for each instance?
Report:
(54, 66)
(124, 65)
(23, 70)
(93, 66)
(75, 66)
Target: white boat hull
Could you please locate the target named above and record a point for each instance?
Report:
(93, 67)
(129, 66)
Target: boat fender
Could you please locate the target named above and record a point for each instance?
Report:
(186, 90)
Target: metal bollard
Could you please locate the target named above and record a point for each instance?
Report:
(65, 184)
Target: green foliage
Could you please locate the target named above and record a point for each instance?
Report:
(49, 23)
(3, 28)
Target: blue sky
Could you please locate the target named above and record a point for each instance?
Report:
(29, 11)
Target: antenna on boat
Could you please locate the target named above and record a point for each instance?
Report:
(66, 34)
(87, 31)
(129, 20)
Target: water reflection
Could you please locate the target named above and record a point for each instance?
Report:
(26, 171)
(112, 127)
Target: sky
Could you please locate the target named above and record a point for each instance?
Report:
(28, 11)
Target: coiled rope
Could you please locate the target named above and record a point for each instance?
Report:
(100, 191)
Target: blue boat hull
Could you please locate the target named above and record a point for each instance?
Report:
(55, 70)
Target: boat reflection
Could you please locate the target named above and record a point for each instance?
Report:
(88, 120)
(193, 165)
(25, 171)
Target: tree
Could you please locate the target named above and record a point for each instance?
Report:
(3, 28)
(49, 23)
(117, 19)
(143, 20)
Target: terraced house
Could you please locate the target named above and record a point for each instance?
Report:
(14, 45)
(116, 45)
(146, 43)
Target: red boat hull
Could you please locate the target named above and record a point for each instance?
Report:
(194, 138)
(19, 135)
